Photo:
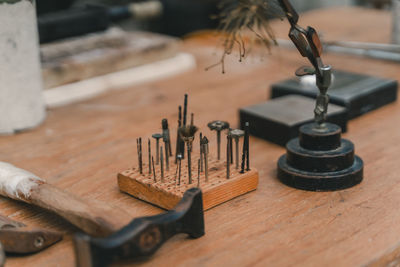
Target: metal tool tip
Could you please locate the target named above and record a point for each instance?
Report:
(204, 140)
(218, 125)
(164, 123)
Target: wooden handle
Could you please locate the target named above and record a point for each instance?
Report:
(95, 220)
(6, 222)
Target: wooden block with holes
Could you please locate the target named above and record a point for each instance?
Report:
(167, 193)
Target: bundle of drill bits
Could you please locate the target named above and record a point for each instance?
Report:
(186, 134)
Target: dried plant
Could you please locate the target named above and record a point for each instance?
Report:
(240, 17)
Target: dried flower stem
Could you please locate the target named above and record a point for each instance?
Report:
(239, 17)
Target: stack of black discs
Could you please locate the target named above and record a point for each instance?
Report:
(320, 160)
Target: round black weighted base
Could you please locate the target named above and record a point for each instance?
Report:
(320, 160)
(320, 181)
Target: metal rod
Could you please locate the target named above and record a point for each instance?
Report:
(198, 173)
(204, 143)
(201, 154)
(176, 171)
(189, 161)
(230, 148)
(169, 147)
(140, 155)
(178, 138)
(185, 104)
(158, 151)
(138, 152)
(167, 157)
(367, 46)
(246, 136)
(154, 169)
(166, 137)
(149, 152)
(219, 144)
(243, 155)
(237, 152)
(206, 165)
(185, 109)
(162, 163)
(228, 154)
(180, 167)
(371, 53)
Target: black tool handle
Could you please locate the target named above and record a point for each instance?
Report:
(143, 236)
(72, 22)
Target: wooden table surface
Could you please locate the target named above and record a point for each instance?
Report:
(81, 147)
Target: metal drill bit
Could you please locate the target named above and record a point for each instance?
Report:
(243, 155)
(178, 138)
(154, 169)
(180, 167)
(230, 146)
(189, 158)
(157, 136)
(187, 133)
(162, 164)
(204, 144)
(139, 144)
(237, 134)
(198, 173)
(149, 152)
(166, 157)
(141, 155)
(182, 144)
(138, 151)
(201, 153)
(218, 126)
(228, 155)
(246, 136)
(185, 110)
(176, 171)
(166, 136)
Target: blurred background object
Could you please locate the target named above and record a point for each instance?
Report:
(396, 21)
(304, 5)
(374, 3)
(179, 17)
(21, 102)
(79, 36)
(46, 6)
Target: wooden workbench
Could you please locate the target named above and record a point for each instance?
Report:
(82, 147)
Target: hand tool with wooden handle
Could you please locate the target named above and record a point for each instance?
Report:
(93, 219)
(16, 237)
(143, 236)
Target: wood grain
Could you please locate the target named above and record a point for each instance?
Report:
(82, 147)
(93, 218)
(166, 194)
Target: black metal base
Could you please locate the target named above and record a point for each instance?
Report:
(279, 120)
(319, 160)
(358, 93)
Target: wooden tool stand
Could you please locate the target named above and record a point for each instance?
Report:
(320, 160)
(167, 193)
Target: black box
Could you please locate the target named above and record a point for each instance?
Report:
(358, 93)
(279, 120)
